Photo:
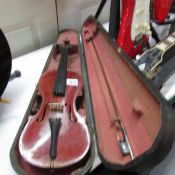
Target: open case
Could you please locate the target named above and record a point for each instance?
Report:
(132, 125)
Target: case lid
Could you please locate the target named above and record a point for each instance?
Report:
(132, 121)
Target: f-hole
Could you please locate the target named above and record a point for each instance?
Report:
(79, 104)
(36, 105)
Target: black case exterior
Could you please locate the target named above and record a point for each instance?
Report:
(162, 144)
(5, 62)
(14, 153)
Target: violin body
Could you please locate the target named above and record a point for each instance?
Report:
(73, 140)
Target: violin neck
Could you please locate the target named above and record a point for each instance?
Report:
(60, 83)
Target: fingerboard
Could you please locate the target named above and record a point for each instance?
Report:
(60, 83)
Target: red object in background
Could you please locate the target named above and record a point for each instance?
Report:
(161, 9)
(124, 38)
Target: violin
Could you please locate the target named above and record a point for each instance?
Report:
(57, 135)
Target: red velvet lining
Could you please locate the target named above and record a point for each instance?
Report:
(137, 108)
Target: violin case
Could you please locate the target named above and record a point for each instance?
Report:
(121, 108)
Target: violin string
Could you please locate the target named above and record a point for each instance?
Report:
(52, 165)
(56, 83)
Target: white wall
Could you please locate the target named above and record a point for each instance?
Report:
(31, 24)
(73, 13)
